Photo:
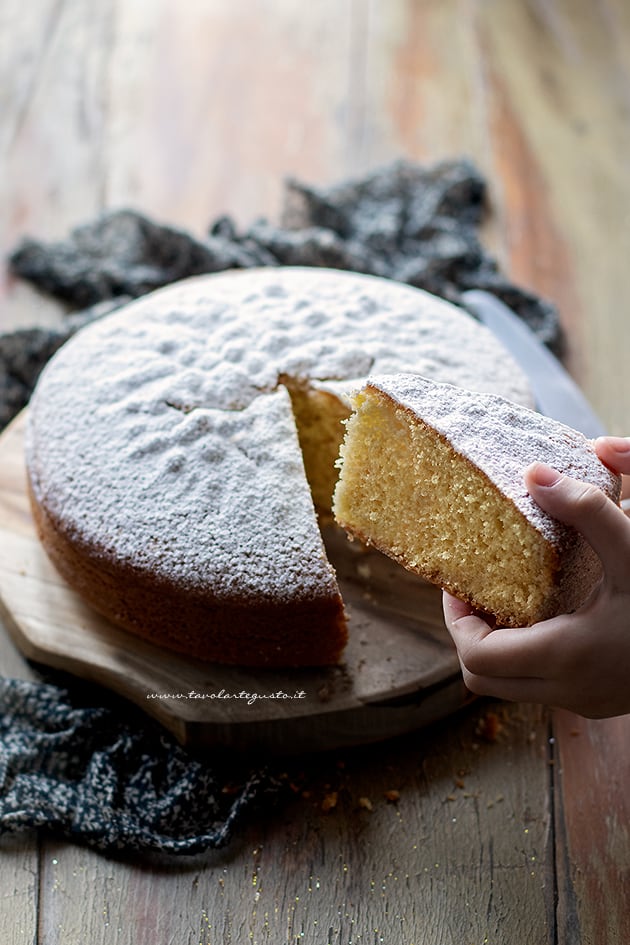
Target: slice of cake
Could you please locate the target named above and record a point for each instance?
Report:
(432, 475)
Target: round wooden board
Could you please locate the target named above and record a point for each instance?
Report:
(400, 670)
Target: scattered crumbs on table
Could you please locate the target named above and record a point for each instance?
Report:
(330, 801)
(497, 800)
(489, 727)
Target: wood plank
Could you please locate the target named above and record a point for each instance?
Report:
(423, 95)
(54, 61)
(592, 816)
(269, 98)
(19, 881)
(526, 86)
(462, 856)
(136, 130)
(534, 250)
(558, 78)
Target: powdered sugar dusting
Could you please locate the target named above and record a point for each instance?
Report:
(161, 436)
(502, 438)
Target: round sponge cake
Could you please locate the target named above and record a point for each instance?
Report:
(176, 448)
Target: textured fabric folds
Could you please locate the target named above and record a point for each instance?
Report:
(112, 778)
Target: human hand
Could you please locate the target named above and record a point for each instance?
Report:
(578, 661)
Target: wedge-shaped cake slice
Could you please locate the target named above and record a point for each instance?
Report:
(432, 475)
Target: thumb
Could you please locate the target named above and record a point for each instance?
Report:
(586, 508)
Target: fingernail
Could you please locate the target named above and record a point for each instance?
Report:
(544, 475)
(620, 444)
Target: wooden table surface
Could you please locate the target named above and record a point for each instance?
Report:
(188, 110)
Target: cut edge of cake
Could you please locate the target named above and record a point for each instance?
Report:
(431, 475)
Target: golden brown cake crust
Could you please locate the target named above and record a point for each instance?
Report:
(174, 618)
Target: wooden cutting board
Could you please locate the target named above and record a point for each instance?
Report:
(400, 670)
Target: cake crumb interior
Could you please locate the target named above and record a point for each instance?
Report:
(405, 489)
(319, 417)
